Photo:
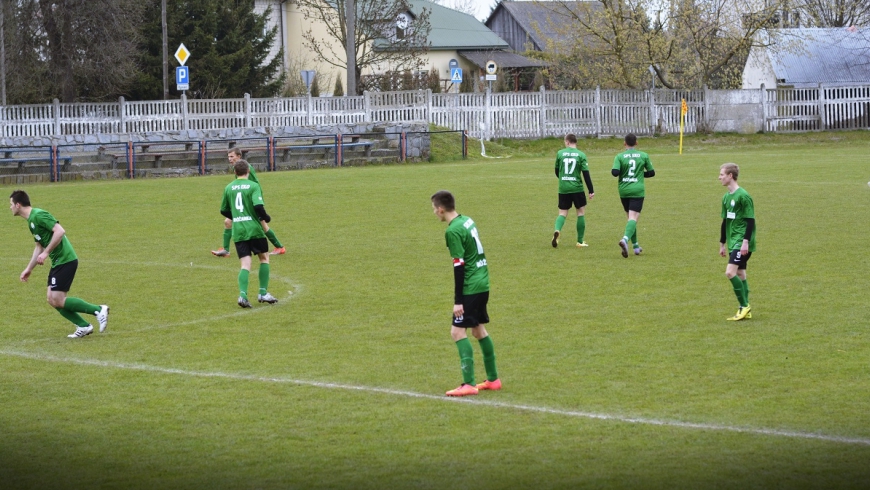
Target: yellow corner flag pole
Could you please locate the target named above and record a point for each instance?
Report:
(683, 110)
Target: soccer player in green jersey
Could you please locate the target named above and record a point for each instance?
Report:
(51, 242)
(243, 204)
(471, 294)
(570, 163)
(631, 167)
(234, 155)
(737, 238)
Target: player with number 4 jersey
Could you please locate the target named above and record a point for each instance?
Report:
(631, 167)
(243, 204)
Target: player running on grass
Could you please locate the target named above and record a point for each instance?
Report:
(51, 242)
(234, 155)
(737, 238)
(570, 163)
(471, 294)
(243, 203)
(631, 167)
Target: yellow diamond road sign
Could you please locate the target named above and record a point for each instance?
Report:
(182, 54)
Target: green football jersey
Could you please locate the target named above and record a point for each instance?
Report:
(41, 223)
(240, 197)
(463, 241)
(736, 208)
(570, 163)
(631, 165)
(252, 175)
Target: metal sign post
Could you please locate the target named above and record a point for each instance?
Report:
(182, 73)
(182, 77)
(491, 70)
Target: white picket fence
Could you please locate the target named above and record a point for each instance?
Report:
(814, 109)
(489, 115)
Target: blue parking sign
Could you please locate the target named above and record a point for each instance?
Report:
(182, 77)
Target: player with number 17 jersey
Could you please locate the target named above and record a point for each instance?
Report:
(463, 241)
(570, 165)
(632, 164)
(240, 197)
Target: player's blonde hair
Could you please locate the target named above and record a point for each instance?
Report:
(732, 169)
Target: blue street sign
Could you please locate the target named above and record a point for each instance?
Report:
(182, 77)
(456, 75)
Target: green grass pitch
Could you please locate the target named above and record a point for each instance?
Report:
(618, 373)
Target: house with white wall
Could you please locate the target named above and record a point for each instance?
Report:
(810, 57)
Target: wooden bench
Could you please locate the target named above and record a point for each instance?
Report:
(158, 156)
(355, 142)
(22, 160)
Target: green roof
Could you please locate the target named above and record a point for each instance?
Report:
(454, 30)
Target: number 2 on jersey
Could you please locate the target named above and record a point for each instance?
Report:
(631, 164)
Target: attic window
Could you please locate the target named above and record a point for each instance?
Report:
(780, 80)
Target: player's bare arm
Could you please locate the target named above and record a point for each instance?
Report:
(57, 235)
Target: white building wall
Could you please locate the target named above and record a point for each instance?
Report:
(758, 69)
(276, 20)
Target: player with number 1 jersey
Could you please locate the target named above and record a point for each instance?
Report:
(464, 244)
(470, 295)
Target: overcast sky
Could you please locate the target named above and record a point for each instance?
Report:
(481, 7)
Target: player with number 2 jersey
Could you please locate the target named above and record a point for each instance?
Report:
(631, 167)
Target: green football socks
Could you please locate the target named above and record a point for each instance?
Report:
(466, 360)
(73, 317)
(264, 278)
(76, 305)
(243, 282)
(581, 230)
(488, 358)
(746, 290)
(273, 239)
(228, 235)
(560, 222)
(631, 230)
(737, 284)
(634, 237)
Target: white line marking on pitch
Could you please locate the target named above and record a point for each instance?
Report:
(295, 290)
(470, 401)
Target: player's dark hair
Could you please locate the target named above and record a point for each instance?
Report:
(444, 199)
(235, 150)
(241, 168)
(571, 138)
(631, 139)
(20, 197)
(731, 168)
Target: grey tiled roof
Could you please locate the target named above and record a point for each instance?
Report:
(543, 20)
(823, 55)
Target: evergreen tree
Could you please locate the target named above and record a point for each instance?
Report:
(228, 46)
(315, 85)
(338, 90)
(434, 81)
